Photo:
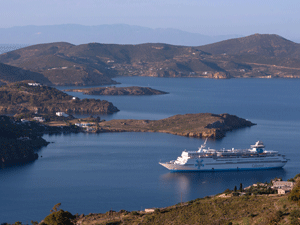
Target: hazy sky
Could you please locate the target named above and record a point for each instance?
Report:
(211, 17)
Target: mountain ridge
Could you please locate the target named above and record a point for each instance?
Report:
(266, 44)
(114, 33)
(258, 55)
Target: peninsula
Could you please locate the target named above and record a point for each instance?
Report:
(27, 96)
(201, 125)
(134, 90)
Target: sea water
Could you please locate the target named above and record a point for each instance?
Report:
(90, 173)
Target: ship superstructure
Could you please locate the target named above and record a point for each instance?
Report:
(206, 159)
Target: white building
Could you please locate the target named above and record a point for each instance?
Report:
(40, 119)
(151, 210)
(61, 114)
(284, 190)
(283, 184)
(34, 84)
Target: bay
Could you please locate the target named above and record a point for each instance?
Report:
(98, 172)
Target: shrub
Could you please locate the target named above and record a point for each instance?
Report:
(274, 218)
(135, 213)
(157, 210)
(295, 193)
(60, 217)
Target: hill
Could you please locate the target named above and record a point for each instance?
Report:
(22, 97)
(259, 55)
(257, 204)
(267, 45)
(50, 61)
(214, 210)
(13, 74)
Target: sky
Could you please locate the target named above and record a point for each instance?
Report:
(209, 17)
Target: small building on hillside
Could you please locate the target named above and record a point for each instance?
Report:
(284, 190)
(61, 114)
(151, 210)
(34, 84)
(40, 119)
(260, 185)
(283, 184)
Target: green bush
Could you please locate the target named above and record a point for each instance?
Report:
(295, 193)
(60, 217)
(135, 213)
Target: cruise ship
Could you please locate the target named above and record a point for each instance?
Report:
(255, 158)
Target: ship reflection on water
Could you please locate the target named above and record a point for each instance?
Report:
(200, 184)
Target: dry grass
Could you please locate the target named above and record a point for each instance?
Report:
(237, 210)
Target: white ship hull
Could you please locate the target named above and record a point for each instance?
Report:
(219, 166)
(226, 160)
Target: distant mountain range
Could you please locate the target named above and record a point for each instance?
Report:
(258, 55)
(109, 34)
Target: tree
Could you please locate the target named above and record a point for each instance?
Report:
(55, 208)
(235, 189)
(241, 187)
(60, 217)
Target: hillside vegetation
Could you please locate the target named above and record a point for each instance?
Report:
(261, 210)
(228, 208)
(263, 56)
(21, 97)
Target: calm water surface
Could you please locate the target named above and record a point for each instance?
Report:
(97, 172)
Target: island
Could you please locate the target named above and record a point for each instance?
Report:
(133, 90)
(29, 96)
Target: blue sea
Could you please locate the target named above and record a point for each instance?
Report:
(93, 173)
